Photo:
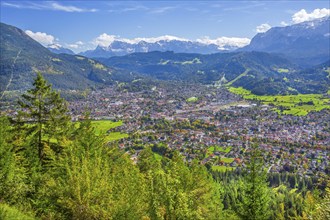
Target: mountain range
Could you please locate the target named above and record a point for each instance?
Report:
(260, 72)
(306, 43)
(120, 47)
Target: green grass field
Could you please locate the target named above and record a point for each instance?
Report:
(298, 105)
(102, 126)
(227, 160)
(282, 70)
(211, 149)
(192, 99)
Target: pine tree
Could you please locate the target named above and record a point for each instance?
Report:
(255, 193)
(45, 118)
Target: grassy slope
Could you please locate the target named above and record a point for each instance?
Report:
(238, 77)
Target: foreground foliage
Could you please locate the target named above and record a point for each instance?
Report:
(255, 192)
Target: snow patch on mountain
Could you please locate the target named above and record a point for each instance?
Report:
(113, 45)
(224, 43)
(58, 48)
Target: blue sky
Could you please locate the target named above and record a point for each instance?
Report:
(81, 25)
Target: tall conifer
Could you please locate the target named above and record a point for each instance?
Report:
(255, 193)
(45, 116)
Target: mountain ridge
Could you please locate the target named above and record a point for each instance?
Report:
(22, 57)
(260, 72)
(58, 49)
(306, 43)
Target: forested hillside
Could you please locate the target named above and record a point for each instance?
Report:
(260, 72)
(53, 168)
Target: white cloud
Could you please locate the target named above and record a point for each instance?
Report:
(161, 10)
(283, 23)
(263, 28)
(104, 40)
(10, 5)
(59, 7)
(47, 6)
(76, 45)
(55, 46)
(136, 8)
(223, 42)
(42, 38)
(73, 46)
(302, 15)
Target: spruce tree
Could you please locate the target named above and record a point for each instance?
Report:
(255, 192)
(45, 115)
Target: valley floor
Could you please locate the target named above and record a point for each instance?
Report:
(217, 127)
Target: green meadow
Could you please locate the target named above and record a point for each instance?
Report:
(226, 160)
(211, 149)
(299, 105)
(192, 99)
(102, 126)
